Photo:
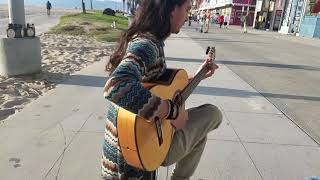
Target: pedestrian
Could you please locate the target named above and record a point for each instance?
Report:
(139, 58)
(221, 20)
(244, 23)
(207, 17)
(198, 17)
(202, 21)
(49, 7)
(316, 7)
(226, 21)
(190, 18)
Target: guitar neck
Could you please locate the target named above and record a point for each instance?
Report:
(187, 91)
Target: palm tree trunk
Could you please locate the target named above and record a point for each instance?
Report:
(83, 7)
(123, 2)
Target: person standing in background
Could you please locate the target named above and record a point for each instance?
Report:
(226, 20)
(207, 17)
(202, 21)
(221, 20)
(49, 6)
(316, 7)
(244, 21)
(190, 18)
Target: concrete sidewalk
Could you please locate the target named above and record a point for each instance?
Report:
(59, 136)
(275, 34)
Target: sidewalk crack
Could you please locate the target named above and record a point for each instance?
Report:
(61, 157)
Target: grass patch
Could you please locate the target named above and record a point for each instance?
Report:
(92, 24)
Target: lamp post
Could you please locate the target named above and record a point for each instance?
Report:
(20, 53)
(16, 12)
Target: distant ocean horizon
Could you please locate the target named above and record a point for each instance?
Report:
(72, 4)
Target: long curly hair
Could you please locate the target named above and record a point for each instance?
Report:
(153, 16)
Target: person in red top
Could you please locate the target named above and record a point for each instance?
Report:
(316, 8)
(221, 20)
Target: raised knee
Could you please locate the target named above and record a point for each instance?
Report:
(215, 115)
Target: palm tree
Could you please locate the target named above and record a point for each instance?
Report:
(83, 7)
(123, 3)
(131, 3)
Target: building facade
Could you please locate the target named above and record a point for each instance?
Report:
(233, 8)
(268, 15)
(294, 11)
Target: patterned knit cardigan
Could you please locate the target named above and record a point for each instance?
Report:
(144, 62)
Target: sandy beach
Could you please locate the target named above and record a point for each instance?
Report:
(61, 56)
(35, 10)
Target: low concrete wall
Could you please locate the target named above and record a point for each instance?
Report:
(310, 26)
(19, 56)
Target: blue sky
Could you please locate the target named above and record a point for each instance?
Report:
(97, 4)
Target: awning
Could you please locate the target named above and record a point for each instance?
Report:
(206, 7)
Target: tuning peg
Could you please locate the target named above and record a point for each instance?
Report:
(208, 49)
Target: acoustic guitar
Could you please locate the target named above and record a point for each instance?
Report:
(145, 143)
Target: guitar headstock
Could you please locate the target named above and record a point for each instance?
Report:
(211, 51)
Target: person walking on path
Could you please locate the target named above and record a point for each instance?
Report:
(190, 18)
(316, 8)
(244, 21)
(139, 58)
(226, 21)
(221, 20)
(49, 6)
(207, 17)
(202, 21)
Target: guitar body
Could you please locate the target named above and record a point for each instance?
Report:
(138, 137)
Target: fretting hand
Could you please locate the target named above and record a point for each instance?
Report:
(210, 67)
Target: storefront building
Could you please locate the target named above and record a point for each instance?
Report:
(310, 23)
(233, 8)
(268, 15)
(294, 11)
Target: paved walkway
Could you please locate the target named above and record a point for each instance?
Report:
(276, 34)
(59, 136)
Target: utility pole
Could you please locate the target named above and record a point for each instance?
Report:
(16, 12)
(20, 50)
(91, 4)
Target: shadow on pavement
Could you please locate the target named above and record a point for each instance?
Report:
(216, 91)
(243, 63)
(286, 66)
(85, 80)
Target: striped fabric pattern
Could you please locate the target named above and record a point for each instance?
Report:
(144, 62)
